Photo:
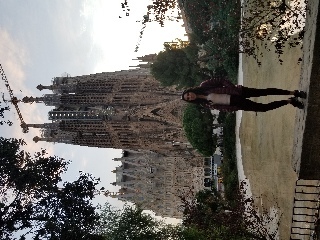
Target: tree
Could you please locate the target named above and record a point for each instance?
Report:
(216, 33)
(33, 200)
(197, 124)
(173, 67)
(159, 11)
(271, 26)
(2, 111)
(131, 223)
(209, 214)
(200, 208)
(67, 212)
(193, 9)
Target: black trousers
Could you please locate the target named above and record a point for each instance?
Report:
(247, 105)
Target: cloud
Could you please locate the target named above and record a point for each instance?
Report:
(14, 59)
(116, 35)
(84, 162)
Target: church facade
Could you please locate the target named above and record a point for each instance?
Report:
(127, 110)
(123, 110)
(156, 182)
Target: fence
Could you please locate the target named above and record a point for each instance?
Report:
(305, 216)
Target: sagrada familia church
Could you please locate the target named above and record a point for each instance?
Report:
(127, 110)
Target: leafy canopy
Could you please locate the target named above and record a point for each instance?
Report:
(197, 124)
(176, 66)
(132, 223)
(33, 199)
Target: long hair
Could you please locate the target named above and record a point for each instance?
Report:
(198, 91)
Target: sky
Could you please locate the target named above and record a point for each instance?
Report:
(40, 40)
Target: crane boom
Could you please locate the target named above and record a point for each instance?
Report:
(14, 101)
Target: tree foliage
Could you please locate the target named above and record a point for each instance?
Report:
(132, 223)
(214, 37)
(271, 25)
(209, 215)
(193, 9)
(200, 209)
(197, 125)
(174, 67)
(2, 111)
(159, 11)
(32, 199)
(215, 33)
(265, 25)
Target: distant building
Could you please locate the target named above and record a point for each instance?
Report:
(155, 181)
(212, 172)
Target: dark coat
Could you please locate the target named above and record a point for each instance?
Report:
(221, 86)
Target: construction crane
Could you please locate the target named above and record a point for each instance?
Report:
(14, 101)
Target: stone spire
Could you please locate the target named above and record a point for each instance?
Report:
(40, 87)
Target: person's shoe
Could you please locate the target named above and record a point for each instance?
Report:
(296, 103)
(300, 94)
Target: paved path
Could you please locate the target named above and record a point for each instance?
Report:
(277, 146)
(306, 150)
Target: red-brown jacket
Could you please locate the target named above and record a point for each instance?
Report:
(221, 86)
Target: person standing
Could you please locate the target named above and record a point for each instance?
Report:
(221, 94)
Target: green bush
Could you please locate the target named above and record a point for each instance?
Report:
(229, 166)
(197, 124)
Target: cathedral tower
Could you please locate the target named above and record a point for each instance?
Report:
(125, 109)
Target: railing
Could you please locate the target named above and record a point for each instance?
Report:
(305, 215)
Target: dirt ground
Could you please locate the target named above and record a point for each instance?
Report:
(267, 138)
(271, 141)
